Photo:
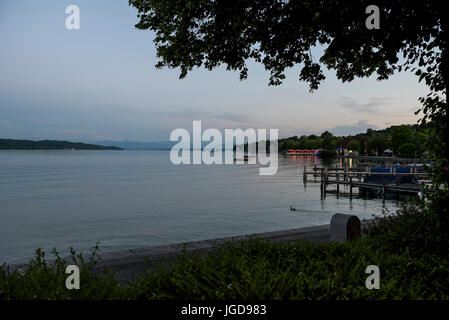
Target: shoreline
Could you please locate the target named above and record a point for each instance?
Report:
(131, 262)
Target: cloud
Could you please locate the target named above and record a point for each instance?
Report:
(200, 115)
(236, 117)
(183, 113)
(341, 130)
(79, 134)
(359, 127)
(9, 129)
(369, 107)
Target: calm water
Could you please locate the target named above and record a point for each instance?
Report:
(130, 199)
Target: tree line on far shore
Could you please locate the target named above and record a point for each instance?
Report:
(403, 140)
(11, 144)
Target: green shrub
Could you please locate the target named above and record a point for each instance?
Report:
(41, 279)
(257, 269)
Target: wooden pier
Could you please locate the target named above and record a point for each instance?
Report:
(354, 178)
(380, 189)
(347, 173)
(384, 158)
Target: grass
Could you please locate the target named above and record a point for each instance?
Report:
(411, 256)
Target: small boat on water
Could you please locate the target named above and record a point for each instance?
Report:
(245, 158)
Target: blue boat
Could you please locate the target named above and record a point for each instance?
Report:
(409, 182)
(390, 179)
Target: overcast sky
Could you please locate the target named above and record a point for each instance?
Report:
(100, 83)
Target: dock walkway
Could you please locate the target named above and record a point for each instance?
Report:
(355, 178)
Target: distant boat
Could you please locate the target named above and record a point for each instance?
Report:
(245, 158)
(300, 152)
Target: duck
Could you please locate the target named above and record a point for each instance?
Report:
(292, 209)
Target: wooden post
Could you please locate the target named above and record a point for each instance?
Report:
(322, 187)
(322, 181)
(338, 182)
(305, 174)
(350, 187)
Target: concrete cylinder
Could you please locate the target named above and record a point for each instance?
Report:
(345, 227)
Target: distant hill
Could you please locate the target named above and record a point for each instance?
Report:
(10, 144)
(137, 145)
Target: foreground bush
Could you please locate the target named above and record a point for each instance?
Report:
(258, 269)
(412, 260)
(43, 280)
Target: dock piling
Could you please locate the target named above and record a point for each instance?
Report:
(350, 187)
(338, 185)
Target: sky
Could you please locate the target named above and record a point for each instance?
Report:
(99, 83)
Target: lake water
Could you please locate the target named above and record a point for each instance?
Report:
(130, 199)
